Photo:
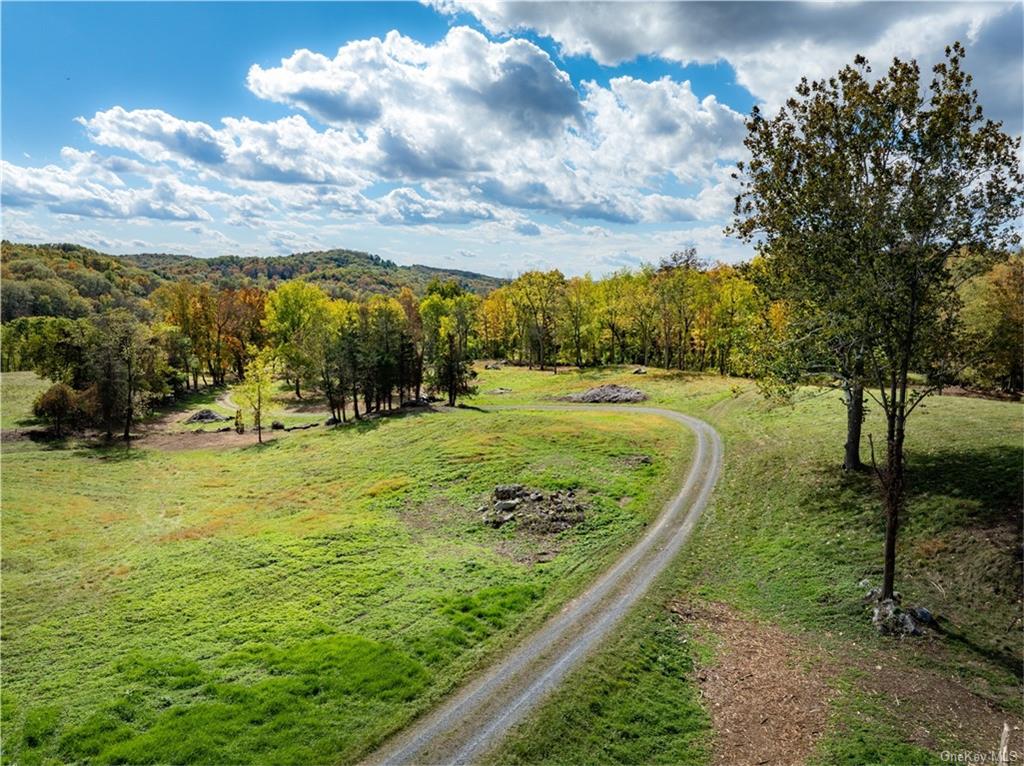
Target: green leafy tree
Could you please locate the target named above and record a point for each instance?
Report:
(874, 199)
(994, 322)
(295, 311)
(57, 404)
(254, 393)
(447, 327)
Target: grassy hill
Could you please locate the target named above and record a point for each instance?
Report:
(72, 281)
(781, 554)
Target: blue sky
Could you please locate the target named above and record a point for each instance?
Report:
(493, 138)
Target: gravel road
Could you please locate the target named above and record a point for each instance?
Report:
(475, 718)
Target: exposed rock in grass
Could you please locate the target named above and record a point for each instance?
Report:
(640, 371)
(206, 416)
(532, 509)
(608, 394)
(500, 391)
(421, 402)
(508, 491)
(277, 425)
(891, 620)
(492, 366)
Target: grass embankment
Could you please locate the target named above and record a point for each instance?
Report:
(787, 540)
(292, 603)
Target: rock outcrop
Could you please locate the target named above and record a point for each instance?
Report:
(206, 416)
(531, 509)
(608, 394)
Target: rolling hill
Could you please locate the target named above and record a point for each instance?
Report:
(71, 280)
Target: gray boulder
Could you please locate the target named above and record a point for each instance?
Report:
(206, 416)
(891, 620)
(508, 491)
(608, 394)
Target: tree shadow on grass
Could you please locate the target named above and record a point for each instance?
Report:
(1011, 662)
(109, 452)
(375, 420)
(985, 484)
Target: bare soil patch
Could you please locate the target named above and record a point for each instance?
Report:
(768, 693)
(980, 393)
(932, 707)
(766, 690)
(170, 442)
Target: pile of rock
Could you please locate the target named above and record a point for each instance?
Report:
(206, 416)
(608, 394)
(421, 402)
(891, 619)
(531, 509)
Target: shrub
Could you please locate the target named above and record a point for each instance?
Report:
(58, 404)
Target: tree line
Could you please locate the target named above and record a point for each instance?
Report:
(361, 356)
(376, 352)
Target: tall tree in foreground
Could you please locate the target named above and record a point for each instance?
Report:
(873, 204)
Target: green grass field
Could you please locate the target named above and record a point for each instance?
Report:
(295, 603)
(292, 603)
(18, 390)
(788, 538)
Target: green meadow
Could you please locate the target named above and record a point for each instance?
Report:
(296, 602)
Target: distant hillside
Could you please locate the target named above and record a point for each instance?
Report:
(339, 272)
(71, 280)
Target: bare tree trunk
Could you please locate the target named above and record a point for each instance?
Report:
(893, 496)
(128, 409)
(854, 395)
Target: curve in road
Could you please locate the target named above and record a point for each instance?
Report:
(474, 719)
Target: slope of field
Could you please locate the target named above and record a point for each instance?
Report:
(787, 541)
(293, 603)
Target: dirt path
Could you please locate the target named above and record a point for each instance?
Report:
(225, 400)
(474, 719)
